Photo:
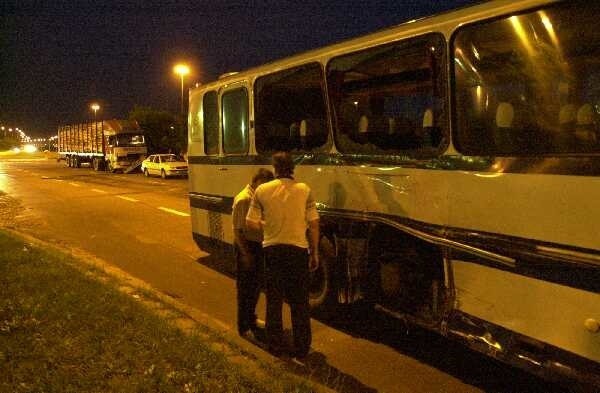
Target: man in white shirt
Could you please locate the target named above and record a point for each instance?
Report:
(249, 256)
(285, 209)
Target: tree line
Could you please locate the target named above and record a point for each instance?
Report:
(164, 131)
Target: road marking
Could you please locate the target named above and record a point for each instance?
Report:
(45, 177)
(127, 198)
(75, 184)
(58, 180)
(176, 212)
(98, 191)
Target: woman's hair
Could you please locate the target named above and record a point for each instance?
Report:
(283, 164)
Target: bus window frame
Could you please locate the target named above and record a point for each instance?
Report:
(203, 141)
(329, 141)
(446, 132)
(453, 87)
(236, 85)
(196, 134)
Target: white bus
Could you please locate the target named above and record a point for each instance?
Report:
(456, 163)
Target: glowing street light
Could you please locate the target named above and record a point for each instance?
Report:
(181, 70)
(95, 107)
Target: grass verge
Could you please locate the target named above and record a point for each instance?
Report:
(64, 330)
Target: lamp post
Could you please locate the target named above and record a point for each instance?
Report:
(181, 70)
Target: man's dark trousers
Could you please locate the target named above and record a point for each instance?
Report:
(287, 277)
(249, 282)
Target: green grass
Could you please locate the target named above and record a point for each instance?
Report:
(63, 330)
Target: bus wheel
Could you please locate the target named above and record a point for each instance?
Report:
(320, 289)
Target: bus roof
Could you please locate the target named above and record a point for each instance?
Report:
(444, 22)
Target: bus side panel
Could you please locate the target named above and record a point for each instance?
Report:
(542, 310)
(403, 192)
(223, 182)
(549, 208)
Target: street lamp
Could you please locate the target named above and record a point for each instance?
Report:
(181, 70)
(95, 108)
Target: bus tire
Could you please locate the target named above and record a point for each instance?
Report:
(320, 288)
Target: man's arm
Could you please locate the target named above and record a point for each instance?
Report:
(254, 215)
(240, 209)
(241, 242)
(313, 239)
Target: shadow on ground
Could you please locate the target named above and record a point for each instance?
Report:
(427, 347)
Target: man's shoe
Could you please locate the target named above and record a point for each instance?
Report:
(259, 334)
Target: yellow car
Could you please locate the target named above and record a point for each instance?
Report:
(165, 165)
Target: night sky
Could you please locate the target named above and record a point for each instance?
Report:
(56, 59)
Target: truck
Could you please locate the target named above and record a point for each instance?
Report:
(112, 145)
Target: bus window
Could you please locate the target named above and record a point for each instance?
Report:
(210, 122)
(390, 98)
(194, 119)
(235, 121)
(290, 112)
(529, 84)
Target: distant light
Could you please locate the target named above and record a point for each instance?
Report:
(29, 148)
(16, 149)
(95, 107)
(181, 69)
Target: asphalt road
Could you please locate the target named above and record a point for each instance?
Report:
(142, 226)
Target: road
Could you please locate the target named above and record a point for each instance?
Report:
(142, 226)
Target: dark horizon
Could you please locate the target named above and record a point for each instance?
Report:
(56, 60)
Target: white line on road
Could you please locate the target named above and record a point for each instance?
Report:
(98, 191)
(127, 198)
(75, 184)
(58, 180)
(176, 212)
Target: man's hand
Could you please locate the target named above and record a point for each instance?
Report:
(313, 262)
